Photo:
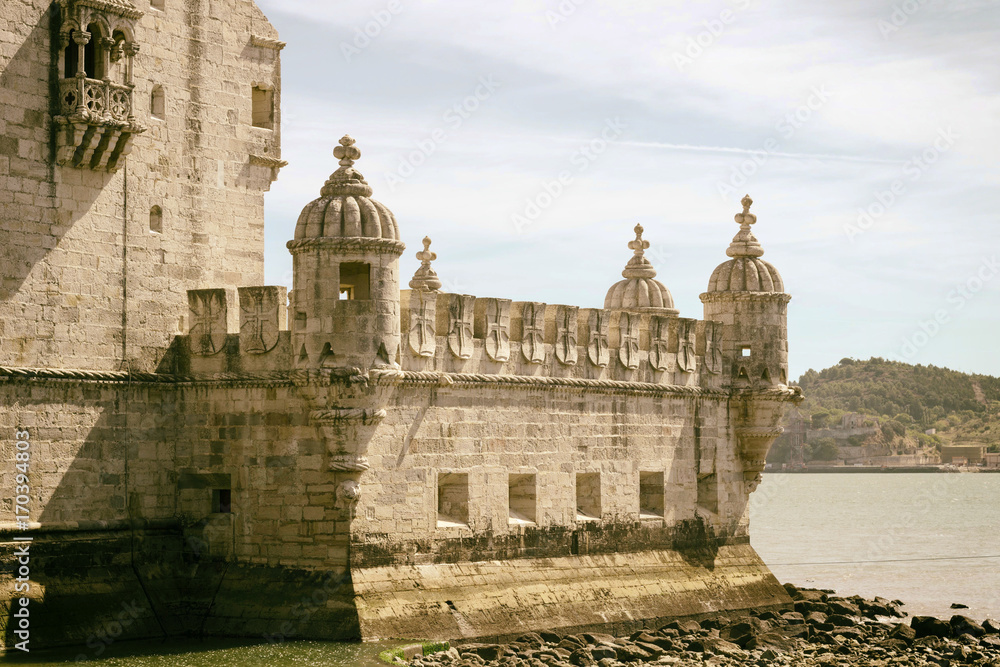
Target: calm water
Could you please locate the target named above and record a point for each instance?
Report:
(940, 532)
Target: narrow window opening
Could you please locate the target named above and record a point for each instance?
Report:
(156, 220)
(651, 495)
(71, 57)
(157, 104)
(263, 107)
(355, 281)
(453, 500)
(222, 501)
(588, 496)
(93, 53)
(521, 500)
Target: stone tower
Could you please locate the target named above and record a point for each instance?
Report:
(137, 140)
(346, 274)
(747, 295)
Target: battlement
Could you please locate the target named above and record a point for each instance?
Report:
(248, 330)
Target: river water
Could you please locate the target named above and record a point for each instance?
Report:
(927, 539)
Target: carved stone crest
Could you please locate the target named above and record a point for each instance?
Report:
(659, 337)
(496, 319)
(420, 328)
(209, 314)
(460, 325)
(597, 338)
(685, 346)
(628, 339)
(566, 327)
(713, 347)
(533, 332)
(262, 311)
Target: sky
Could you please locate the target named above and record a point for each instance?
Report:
(528, 137)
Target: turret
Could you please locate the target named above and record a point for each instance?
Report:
(345, 254)
(747, 295)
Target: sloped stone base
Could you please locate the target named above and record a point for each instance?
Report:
(617, 592)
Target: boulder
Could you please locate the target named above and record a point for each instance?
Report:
(633, 653)
(549, 637)
(840, 620)
(598, 638)
(722, 647)
(992, 627)
(844, 608)
(963, 625)
(903, 632)
(582, 658)
(793, 618)
(738, 633)
(604, 651)
(928, 626)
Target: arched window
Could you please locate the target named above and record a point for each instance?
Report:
(93, 56)
(156, 103)
(72, 57)
(156, 220)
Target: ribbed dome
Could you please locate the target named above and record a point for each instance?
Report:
(746, 274)
(640, 290)
(345, 207)
(746, 271)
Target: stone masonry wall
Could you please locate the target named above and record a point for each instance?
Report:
(75, 243)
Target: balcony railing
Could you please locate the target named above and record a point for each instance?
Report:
(95, 99)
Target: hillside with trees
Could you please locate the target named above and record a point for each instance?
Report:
(904, 401)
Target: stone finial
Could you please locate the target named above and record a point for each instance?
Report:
(745, 244)
(346, 181)
(425, 278)
(638, 266)
(347, 152)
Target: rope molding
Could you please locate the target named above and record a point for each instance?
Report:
(382, 377)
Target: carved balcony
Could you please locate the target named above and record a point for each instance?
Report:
(96, 123)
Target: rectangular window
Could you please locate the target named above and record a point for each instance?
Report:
(453, 500)
(651, 495)
(355, 281)
(263, 107)
(521, 499)
(588, 496)
(222, 501)
(745, 351)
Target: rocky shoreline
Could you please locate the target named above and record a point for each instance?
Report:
(823, 630)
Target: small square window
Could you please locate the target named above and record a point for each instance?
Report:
(521, 499)
(453, 500)
(263, 107)
(222, 501)
(588, 496)
(745, 351)
(651, 492)
(355, 281)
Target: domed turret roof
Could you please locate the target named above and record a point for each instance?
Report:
(746, 271)
(640, 290)
(345, 208)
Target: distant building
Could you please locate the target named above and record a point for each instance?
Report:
(967, 454)
(992, 460)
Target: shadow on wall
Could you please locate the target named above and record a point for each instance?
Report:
(32, 223)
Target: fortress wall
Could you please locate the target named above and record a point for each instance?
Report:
(62, 229)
